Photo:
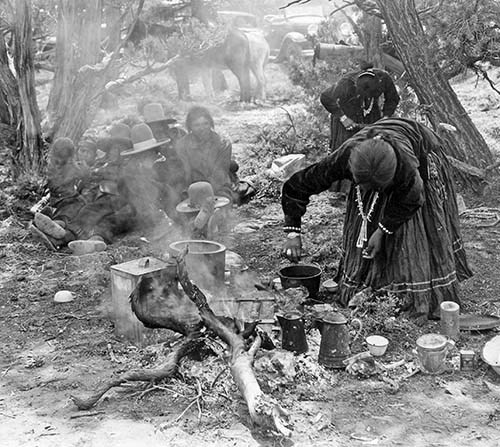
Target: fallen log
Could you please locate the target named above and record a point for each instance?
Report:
(168, 369)
(264, 411)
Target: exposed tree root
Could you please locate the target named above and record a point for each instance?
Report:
(264, 410)
(168, 369)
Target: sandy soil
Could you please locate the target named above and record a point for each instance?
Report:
(50, 351)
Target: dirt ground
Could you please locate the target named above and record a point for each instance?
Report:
(50, 351)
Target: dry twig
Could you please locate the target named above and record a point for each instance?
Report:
(168, 369)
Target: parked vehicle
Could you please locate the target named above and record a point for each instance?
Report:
(241, 20)
(292, 36)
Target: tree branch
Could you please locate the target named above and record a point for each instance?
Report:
(430, 10)
(168, 369)
(140, 74)
(121, 44)
(341, 8)
(294, 2)
(480, 72)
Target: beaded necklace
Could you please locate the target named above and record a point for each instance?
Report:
(367, 110)
(365, 218)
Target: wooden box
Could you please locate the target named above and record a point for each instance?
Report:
(124, 278)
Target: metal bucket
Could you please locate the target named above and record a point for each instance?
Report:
(307, 275)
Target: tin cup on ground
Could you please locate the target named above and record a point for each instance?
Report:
(377, 345)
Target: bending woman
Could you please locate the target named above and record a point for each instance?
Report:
(401, 230)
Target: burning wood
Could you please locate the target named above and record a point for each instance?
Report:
(264, 410)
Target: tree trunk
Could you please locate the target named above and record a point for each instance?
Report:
(27, 158)
(199, 10)
(113, 26)
(372, 40)
(432, 89)
(77, 80)
(9, 95)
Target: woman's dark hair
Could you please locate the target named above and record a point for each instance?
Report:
(63, 148)
(367, 83)
(197, 112)
(373, 161)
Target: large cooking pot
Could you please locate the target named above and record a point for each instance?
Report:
(205, 260)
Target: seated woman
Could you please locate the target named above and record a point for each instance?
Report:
(87, 153)
(204, 154)
(82, 205)
(401, 230)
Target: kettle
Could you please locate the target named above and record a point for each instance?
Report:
(335, 343)
(293, 334)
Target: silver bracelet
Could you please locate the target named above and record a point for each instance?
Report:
(292, 229)
(385, 230)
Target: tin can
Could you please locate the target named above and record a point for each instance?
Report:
(467, 360)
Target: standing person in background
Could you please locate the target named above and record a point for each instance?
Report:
(355, 100)
(359, 98)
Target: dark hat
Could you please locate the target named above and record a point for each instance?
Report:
(153, 113)
(105, 144)
(142, 139)
(198, 192)
(87, 144)
(120, 130)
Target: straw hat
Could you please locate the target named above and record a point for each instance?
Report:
(142, 139)
(198, 192)
(120, 130)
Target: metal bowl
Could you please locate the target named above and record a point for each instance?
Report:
(491, 353)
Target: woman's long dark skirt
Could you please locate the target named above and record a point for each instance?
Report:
(422, 261)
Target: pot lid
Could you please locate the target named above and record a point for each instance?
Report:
(334, 318)
(293, 315)
(432, 342)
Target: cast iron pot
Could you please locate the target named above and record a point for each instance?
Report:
(307, 275)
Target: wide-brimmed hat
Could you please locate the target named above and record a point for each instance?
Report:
(123, 144)
(198, 192)
(120, 130)
(142, 139)
(154, 112)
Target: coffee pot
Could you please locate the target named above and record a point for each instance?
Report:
(293, 334)
(335, 339)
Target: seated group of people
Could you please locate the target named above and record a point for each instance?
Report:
(147, 170)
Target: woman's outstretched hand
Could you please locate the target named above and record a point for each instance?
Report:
(292, 248)
(374, 244)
